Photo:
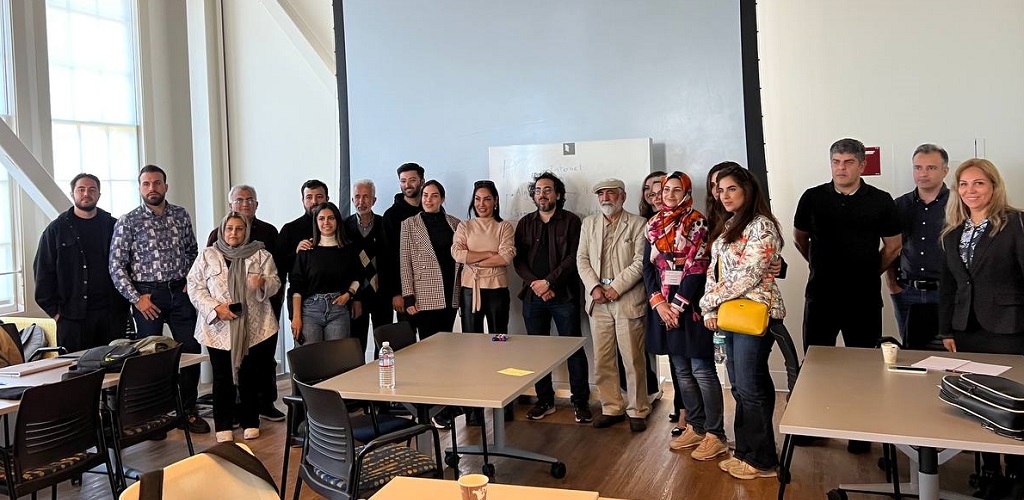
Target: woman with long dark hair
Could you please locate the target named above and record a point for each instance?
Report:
(650, 197)
(675, 263)
(324, 279)
(745, 244)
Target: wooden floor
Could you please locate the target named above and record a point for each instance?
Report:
(615, 462)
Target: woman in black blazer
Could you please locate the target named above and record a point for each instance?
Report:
(981, 304)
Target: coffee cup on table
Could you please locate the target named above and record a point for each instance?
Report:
(890, 352)
(473, 486)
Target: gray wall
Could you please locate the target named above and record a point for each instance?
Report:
(439, 81)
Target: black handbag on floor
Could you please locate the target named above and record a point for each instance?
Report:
(997, 401)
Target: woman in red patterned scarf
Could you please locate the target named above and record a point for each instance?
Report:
(675, 267)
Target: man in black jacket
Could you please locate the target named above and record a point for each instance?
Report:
(407, 204)
(298, 234)
(70, 267)
(365, 229)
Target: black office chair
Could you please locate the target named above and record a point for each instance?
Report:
(57, 437)
(313, 363)
(400, 335)
(147, 404)
(336, 469)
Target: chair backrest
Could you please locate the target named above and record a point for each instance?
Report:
(148, 387)
(57, 420)
(923, 327)
(312, 363)
(329, 446)
(400, 335)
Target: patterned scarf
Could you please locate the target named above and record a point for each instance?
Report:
(680, 233)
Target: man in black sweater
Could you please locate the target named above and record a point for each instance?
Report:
(242, 199)
(298, 234)
(70, 267)
(365, 230)
(407, 204)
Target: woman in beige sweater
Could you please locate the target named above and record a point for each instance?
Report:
(484, 246)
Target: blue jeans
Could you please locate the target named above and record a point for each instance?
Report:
(752, 388)
(702, 394)
(537, 315)
(180, 316)
(901, 304)
(322, 319)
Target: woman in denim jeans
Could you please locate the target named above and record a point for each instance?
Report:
(675, 261)
(746, 242)
(324, 280)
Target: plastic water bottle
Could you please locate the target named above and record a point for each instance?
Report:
(386, 366)
(719, 341)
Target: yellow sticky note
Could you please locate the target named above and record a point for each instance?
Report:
(515, 372)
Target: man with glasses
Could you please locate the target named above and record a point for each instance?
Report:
(242, 200)
(546, 244)
(73, 285)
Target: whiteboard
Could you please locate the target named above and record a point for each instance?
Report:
(580, 165)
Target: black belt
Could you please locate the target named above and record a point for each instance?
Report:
(924, 285)
(177, 284)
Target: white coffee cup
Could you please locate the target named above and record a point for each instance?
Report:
(473, 486)
(890, 352)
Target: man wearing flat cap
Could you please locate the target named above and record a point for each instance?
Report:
(610, 261)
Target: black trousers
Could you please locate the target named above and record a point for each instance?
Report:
(248, 385)
(266, 374)
(859, 320)
(428, 323)
(98, 328)
(380, 310)
(494, 306)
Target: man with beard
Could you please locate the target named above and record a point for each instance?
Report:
(297, 235)
(150, 255)
(546, 244)
(407, 204)
(366, 230)
(610, 261)
(242, 199)
(72, 282)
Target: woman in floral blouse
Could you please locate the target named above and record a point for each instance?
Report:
(745, 244)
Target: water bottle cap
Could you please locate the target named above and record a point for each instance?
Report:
(386, 344)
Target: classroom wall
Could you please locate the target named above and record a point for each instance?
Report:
(894, 75)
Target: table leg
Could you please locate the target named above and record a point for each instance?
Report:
(925, 485)
(928, 473)
(499, 447)
(785, 461)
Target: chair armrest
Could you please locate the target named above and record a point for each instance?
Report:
(397, 437)
(293, 401)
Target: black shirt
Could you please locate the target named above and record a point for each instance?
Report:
(97, 278)
(325, 270)
(393, 218)
(921, 258)
(845, 233)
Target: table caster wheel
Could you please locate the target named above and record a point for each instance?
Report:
(836, 495)
(451, 460)
(558, 470)
(488, 470)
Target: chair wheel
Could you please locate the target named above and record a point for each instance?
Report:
(488, 470)
(451, 459)
(558, 470)
(836, 495)
(76, 480)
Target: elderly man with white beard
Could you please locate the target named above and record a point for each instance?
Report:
(610, 261)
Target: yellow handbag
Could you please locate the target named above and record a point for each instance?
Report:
(745, 316)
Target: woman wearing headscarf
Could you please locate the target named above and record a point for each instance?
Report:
(230, 284)
(675, 267)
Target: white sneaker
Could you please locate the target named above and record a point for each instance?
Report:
(251, 433)
(225, 436)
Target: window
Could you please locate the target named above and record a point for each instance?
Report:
(94, 96)
(10, 269)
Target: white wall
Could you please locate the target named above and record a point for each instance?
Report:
(894, 75)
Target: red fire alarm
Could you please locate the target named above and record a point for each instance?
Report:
(873, 160)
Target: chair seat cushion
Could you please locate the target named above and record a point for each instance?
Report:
(149, 425)
(50, 468)
(383, 464)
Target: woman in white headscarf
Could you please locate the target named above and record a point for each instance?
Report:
(230, 284)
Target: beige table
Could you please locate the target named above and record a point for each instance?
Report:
(847, 393)
(461, 369)
(54, 375)
(409, 488)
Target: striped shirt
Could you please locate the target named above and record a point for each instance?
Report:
(151, 248)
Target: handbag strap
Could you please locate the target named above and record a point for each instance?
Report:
(151, 483)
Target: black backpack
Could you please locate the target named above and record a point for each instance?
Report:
(108, 358)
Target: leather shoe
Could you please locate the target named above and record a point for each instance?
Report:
(637, 424)
(608, 420)
(196, 424)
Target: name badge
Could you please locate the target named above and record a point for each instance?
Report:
(673, 278)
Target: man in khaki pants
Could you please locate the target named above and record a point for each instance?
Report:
(610, 262)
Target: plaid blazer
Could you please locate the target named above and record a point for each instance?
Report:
(421, 274)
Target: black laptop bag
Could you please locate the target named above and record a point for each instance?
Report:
(997, 401)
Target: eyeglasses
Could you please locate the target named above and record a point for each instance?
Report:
(244, 201)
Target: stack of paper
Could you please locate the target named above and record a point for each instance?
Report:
(960, 366)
